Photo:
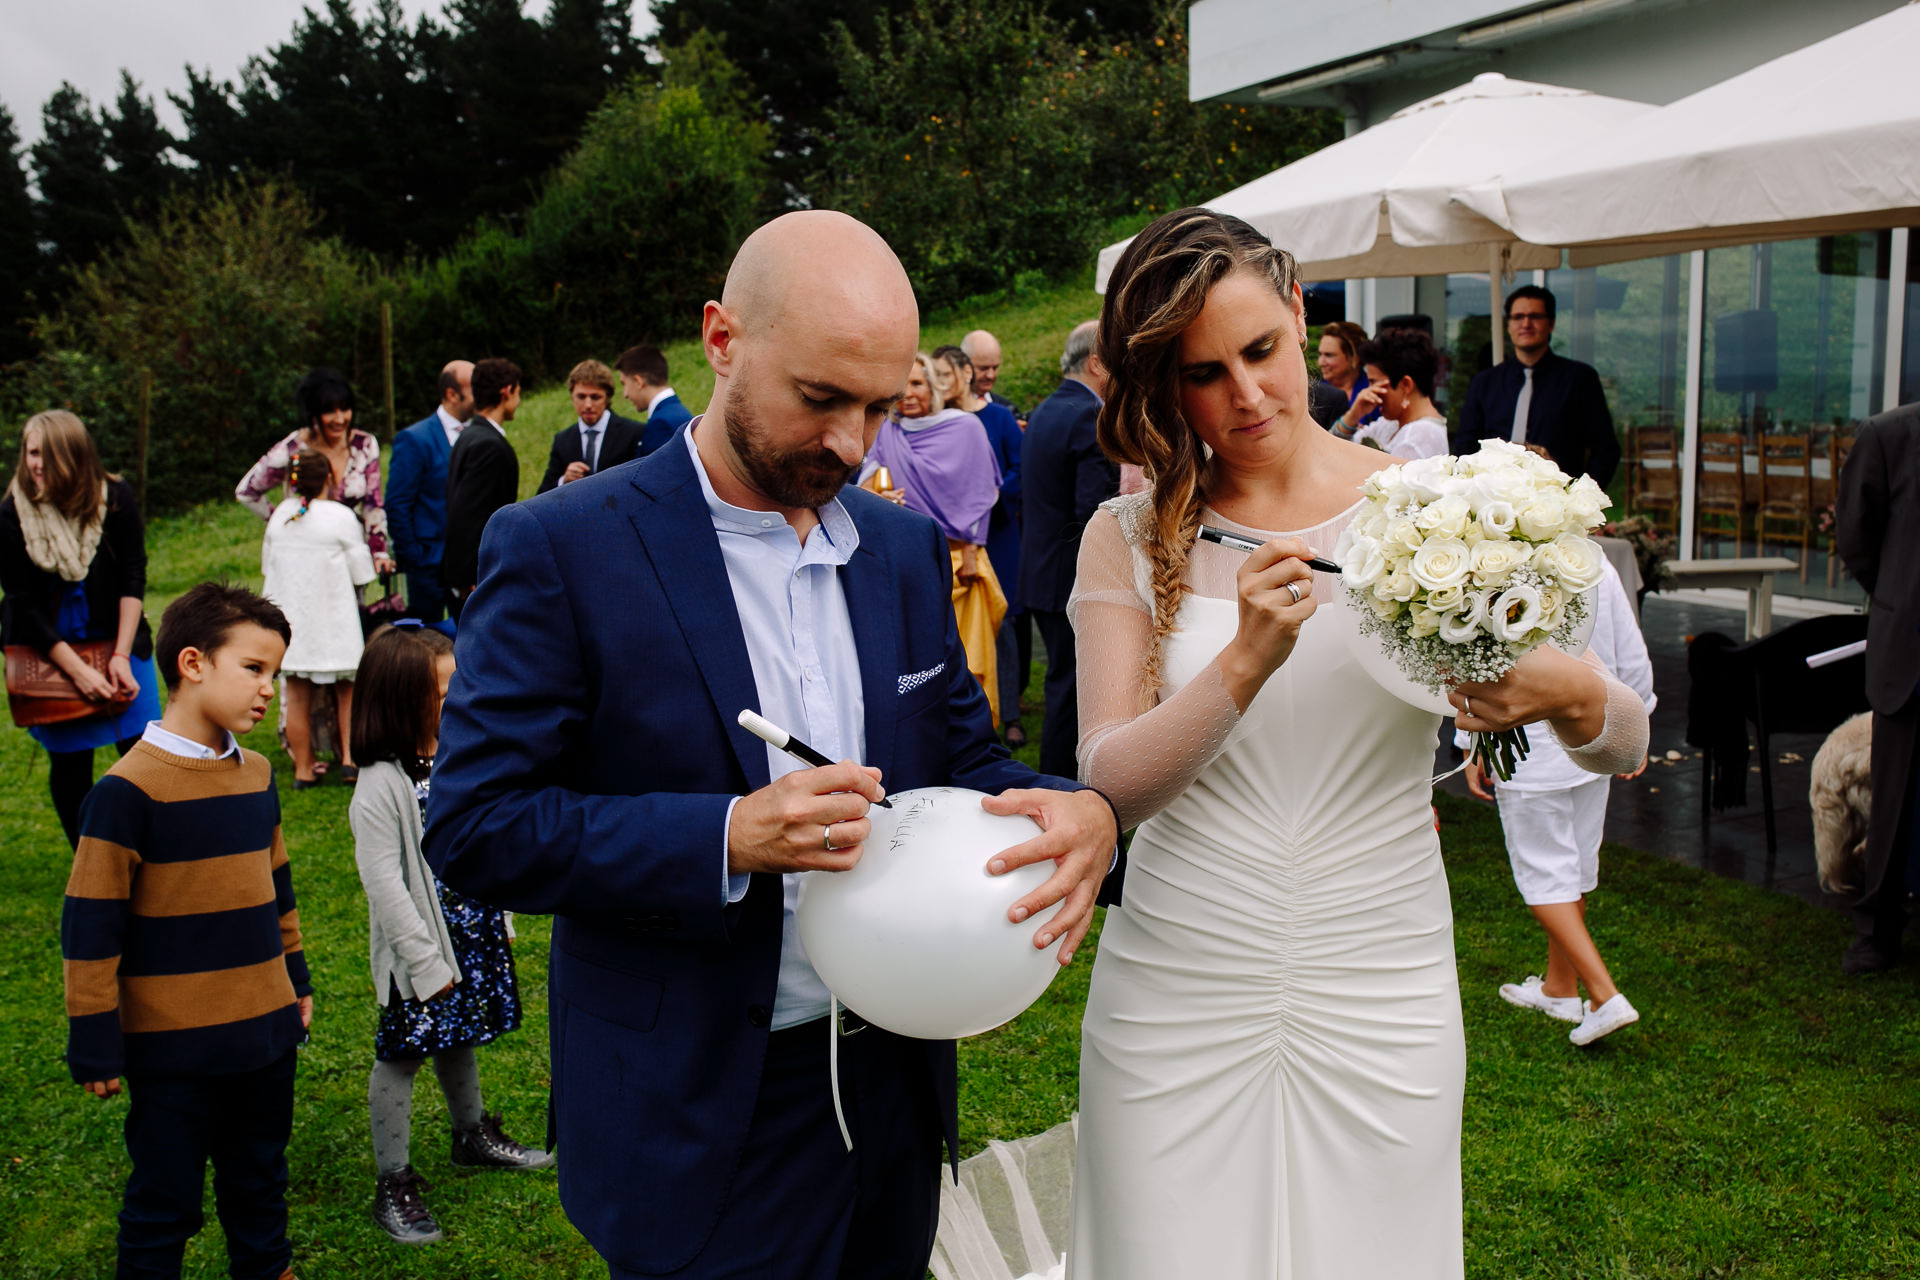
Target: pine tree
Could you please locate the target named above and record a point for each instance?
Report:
(137, 147)
(20, 262)
(77, 213)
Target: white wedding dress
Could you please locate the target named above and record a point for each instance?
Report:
(1272, 1064)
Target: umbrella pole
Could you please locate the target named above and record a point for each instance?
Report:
(1496, 267)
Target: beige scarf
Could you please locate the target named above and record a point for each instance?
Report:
(55, 543)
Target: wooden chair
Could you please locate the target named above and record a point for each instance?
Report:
(1826, 494)
(1653, 473)
(1785, 491)
(1722, 490)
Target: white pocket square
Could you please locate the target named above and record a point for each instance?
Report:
(909, 683)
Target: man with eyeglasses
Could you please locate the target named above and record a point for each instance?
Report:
(1550, 404)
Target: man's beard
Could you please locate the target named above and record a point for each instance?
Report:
(810, 476)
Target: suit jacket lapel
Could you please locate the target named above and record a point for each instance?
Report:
(676, 532)
(868, 585)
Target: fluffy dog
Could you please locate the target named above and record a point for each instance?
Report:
(1842, 794)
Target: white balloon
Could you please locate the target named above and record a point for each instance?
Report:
(915, 938)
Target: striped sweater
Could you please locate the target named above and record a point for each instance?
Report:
(181, 942)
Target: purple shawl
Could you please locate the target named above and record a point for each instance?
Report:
(946, 466)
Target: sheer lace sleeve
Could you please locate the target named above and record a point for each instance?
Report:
(1141, 762)
(1622, 741)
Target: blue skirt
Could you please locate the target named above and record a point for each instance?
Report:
(482, 1006)
(75, 624)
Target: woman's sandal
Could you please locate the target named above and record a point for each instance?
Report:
(305, 784)
(349, 773)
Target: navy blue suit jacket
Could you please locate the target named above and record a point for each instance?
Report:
(1064, 477)
(588, 752)
(1568, 415)
(416, 494)
(667, 417)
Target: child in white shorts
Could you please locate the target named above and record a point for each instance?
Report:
(1554, 814)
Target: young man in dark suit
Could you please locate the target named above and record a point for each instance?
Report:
(599, 438)
(1064, 477)
(643, 375)
(1878, 534)
(692, 1094)
(483, 475)
(1549, 403)
(417, 491)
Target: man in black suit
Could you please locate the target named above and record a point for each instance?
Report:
(483, 475)
(643, 374)
(1878, 516)
(1064, 478)
(1553, 405)
(599, 438)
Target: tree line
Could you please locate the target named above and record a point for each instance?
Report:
(541, 189)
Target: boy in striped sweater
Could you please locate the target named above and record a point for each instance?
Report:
(184, 971)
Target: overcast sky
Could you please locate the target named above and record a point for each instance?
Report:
(87, 42)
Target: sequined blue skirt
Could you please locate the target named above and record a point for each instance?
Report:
(483, 1005)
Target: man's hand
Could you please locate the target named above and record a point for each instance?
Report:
(1477, 779)
(305, 1004)
(574, 471)
(1079, 835)
(102, 1088)
(812, 820)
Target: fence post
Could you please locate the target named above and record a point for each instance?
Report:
(386, 361)
(140, 440)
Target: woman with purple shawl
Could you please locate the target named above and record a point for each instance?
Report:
(942, 465)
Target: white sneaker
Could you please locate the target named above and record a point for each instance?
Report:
(1528, 995)
(1608, 1018)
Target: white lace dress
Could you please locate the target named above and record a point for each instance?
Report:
(1272, 1064)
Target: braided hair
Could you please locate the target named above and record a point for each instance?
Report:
(309, 476)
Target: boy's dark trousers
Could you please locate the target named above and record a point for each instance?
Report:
(175, 1124)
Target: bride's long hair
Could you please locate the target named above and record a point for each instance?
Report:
(1157, 289)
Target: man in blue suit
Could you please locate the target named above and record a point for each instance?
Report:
(416, 496)
(643, 376)
(692, 1099)
(1064, 477)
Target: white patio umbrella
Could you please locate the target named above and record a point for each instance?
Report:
(1822, 140)
(1379, 203)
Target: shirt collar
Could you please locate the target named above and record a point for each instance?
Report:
(658, 396)
(842, 538)
(172, 743)
(448, 421)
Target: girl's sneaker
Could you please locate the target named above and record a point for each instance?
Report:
(400, 1211)
(1608, 1018)
(487, 1147)
(1528, 995)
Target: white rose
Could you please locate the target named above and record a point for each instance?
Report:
(1425, 478)
(1442, 562)
(1385, 608)
(1463, 625)
(1507, 484)
(1447, 599)
(1403, 533)
(1426, 622)
(1497, 518)
(1365, 563)
(1493, 454)
(1448, 517)
(1544, 515)
(1515, 614)
(1574, 561)
(1397, 584)
(1494, 562)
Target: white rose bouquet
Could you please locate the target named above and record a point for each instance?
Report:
(1461, 566)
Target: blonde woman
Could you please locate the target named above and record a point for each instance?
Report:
(73, 568)
(1272, 1063)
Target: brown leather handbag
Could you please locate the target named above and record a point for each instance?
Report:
(38, 692)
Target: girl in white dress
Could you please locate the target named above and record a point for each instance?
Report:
(1272, 1063)
(315, 560)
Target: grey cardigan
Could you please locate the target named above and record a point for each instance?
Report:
(408, 943)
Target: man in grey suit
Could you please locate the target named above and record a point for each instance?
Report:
(1879, 539)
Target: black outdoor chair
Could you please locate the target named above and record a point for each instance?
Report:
(1766, 683)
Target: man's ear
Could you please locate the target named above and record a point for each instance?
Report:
(719, 328)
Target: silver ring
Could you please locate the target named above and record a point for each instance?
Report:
(1466, 705)
(1293, 589)
(826, 837)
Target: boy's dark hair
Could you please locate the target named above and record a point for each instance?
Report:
(396, 696)
(1404, 353)
(203, 619)
(644, 361)
(321, 392)
(491, 380)
(1537, 292)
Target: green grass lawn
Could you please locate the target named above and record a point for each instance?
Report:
(1761, 1121)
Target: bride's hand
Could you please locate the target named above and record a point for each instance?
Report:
(1569, 693)
(1270, 616)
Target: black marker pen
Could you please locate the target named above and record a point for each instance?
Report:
(1239, 543)
(773, 735)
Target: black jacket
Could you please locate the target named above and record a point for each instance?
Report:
(483, 475)
(1878, 534)
(621, 443)
(1568, 416)
(30, 612)
(1063, 479)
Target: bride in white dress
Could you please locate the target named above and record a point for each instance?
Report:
(1272, 1062)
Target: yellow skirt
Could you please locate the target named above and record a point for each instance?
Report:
(978, 608)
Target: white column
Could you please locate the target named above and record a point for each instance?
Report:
(1696, 346)
(1896, 318)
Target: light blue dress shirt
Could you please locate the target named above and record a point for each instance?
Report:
(806, 671)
